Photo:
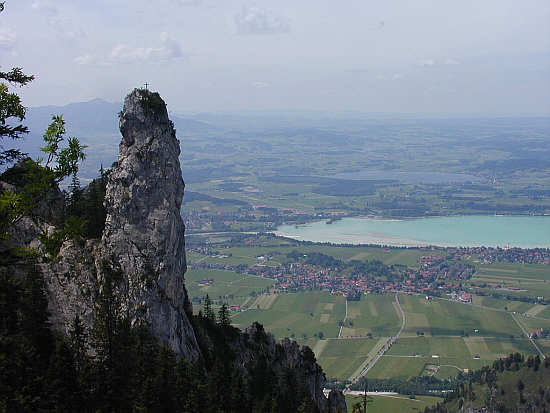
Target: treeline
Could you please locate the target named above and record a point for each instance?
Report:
(512, 384)
(117, 366)
(426, 385)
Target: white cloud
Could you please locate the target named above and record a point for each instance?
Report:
(427, 62)
(123, 53)
(188, 2)
(7, 38)
(450, 62)
(84, 59)
(433, 62)
(45, 5)
(62, 25)
(398, 76)
(260, 85)
(254, 20)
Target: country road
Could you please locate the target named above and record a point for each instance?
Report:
(529, 337)
(343, 322)
(387, 346)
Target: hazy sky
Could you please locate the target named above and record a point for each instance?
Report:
(436, 56)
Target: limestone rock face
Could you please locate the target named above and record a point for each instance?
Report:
(144, 232)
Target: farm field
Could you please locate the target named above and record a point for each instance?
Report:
(531, 280)
(447, 318)
(501, 304)
(298, 316)
(341, 358)
(460, 336)
(374, 314)
(449, 345)
(395, 404)
(531, 323)
(235, 288)
(443, 357)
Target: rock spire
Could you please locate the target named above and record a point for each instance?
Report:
(144, 231)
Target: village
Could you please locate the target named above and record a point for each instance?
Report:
(435, 276)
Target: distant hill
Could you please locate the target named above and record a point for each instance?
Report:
(95, 123)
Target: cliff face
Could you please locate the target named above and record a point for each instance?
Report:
(144, 232)
(143, 241)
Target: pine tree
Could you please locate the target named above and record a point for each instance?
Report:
(223, 316)
(75, 198)
(208, 311)
(62, 379)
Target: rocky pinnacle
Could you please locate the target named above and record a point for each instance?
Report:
(144, 232)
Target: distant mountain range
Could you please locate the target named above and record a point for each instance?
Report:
(95, 123)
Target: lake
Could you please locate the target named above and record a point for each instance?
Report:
(472, 230)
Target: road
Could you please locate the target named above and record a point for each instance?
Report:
(528, 336)
(387, 346)
(343, 322)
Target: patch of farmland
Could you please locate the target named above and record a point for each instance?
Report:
(298, 315)
(232, 287)
(264, 302)
(448, 318)
(502, 304)
(394, 404)
(536, 310)
(340, 357)
(397, 367)
(373, 314)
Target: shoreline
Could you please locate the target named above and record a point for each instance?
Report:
(376, 237)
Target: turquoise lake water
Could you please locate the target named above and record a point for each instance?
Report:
(476, 230)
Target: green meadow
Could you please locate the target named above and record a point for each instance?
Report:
(374, 314)
(299, 316)
(228, 285)
(439, 317)
(393, 403)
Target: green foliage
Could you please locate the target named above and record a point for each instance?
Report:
(74, 228)
(66, 160)
(223, 316)
(34, 181)
(128, 370)
(151, 101)
(11, 110)
(208, 310)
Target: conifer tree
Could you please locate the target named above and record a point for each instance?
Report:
(223, 316)
(208, 310)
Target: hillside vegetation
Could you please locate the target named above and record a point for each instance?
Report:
(513, 384)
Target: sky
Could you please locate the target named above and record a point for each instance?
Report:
(481, 57)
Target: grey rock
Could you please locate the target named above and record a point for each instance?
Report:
(144, 232)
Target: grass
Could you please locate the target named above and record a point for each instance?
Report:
(236, 288)
(375, 314)
(394, 404)
(454, 353)
(300, 315)
(533, 278)
(502, 304)
(397, 367)
(341, 358)
(446, 318)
